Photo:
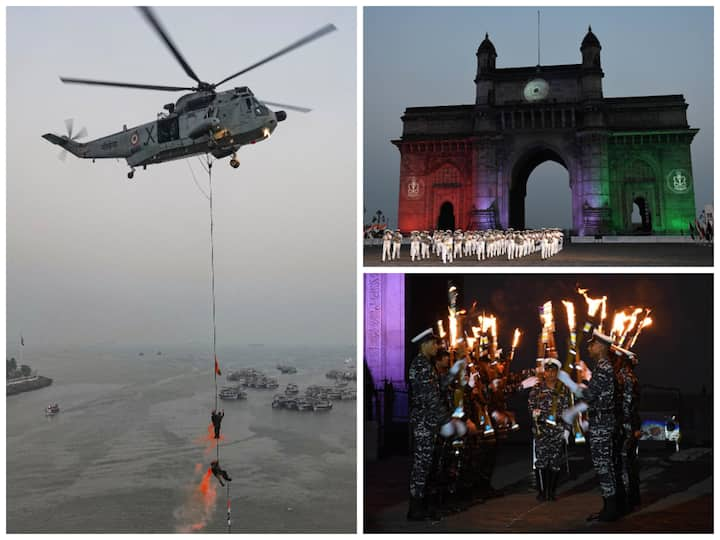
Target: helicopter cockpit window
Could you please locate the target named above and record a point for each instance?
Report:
(248, 104)
(260, 109)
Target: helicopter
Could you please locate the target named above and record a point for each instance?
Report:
(204, 121)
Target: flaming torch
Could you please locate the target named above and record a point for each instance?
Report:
(646, 321)
(632, 320)
(515, 341)
(593, 305)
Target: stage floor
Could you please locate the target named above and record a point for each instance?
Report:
(572, 255)
(676, 492)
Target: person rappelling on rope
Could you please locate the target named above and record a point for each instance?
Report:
(219, 473)
(217, 417)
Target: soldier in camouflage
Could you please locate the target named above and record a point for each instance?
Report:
(429, 414)
(599, 395)
(550, 433)
(629, 387)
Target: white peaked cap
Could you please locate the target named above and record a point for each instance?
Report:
(422, 335)
(602, 337)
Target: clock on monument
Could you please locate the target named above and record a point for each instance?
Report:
(536, 90)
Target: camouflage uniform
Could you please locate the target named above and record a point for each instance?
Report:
(548, 439)
(630, 394)
(428, 411)
(600, 395)
(485, 443)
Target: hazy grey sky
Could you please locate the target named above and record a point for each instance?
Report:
(94, 257)
(426, 57)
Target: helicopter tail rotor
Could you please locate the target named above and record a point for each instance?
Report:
(65, 140)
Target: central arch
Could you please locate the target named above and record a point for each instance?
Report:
(521, 171)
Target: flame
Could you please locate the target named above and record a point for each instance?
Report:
(593, 303)
(647, 321)
(603, 314)
(632, 320)
(453, 327)
(441, 330)
(618, 324)
(516, 338)
(547, 317)
(476, 331)
(570, 308)
(470, 341)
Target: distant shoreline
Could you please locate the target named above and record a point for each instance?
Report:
(26, 386)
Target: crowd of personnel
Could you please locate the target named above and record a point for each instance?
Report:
(479, 245)
(458, 416)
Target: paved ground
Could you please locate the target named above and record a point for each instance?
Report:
(676, 492)
(572, 255)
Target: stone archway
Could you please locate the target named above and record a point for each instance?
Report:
(446, 218)
(645, 225)
(521, 169)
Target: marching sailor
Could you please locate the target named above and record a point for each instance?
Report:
(550, 433)
(599, 395)
(429, 416)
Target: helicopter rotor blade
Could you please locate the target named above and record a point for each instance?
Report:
(69, 80)
(304, 41)
(291, 107)
(80, 134)
(149, 15)
(69, 127)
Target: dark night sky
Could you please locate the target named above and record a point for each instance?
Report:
(675, 351)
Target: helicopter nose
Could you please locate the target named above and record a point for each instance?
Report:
(280, 115)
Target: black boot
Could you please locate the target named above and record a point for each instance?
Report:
(552, 484)
(610, 512)
(416, 509)
(541, 483)
(433, 507)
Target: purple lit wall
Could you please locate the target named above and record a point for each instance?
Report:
(384, 324)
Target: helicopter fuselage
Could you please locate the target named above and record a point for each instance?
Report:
(201, 122)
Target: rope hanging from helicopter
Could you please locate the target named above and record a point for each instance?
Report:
(207, 166)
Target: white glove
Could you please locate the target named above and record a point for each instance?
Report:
(569, 415)
(447, 430)
(529, 382)
(460, 427)
(456, 367)
(566, 436)
(574, 387)
(471, 382)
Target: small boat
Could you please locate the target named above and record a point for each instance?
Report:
(322, 405)
(52, 410)
(291, 389)
(271, 384)
(348, 393)
(231, 393)
(286, 369)
(334, 394)
(304, 404)
(291, 403)
(279, 401)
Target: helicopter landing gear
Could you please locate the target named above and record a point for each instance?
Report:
(234, 163)
(131, 174)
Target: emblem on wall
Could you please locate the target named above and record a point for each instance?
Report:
(678, 181)
(414, 188)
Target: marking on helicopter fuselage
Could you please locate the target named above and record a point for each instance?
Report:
(149, 135)
(134, 138)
